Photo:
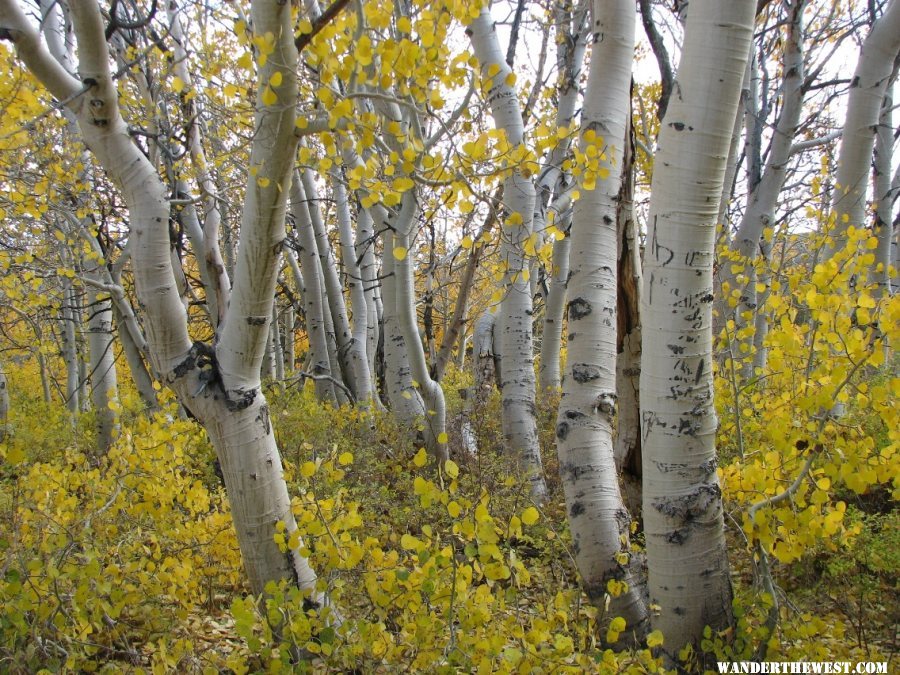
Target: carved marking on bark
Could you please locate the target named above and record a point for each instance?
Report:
(583, 372)
(688, 507)
(579, 308)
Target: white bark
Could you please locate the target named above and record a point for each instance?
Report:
(760, 212)
(883, 207)
(867, 89)
(598, 520)
(290, 343)
(405, 308)
(571, 45)
(405, 399)
(356, 349)
(104, 389)
(69, 346)
(4, 404)
(365, 253)
(320, 364)
(683, 519)
(206, 247)
(350, 365)
(517, 354)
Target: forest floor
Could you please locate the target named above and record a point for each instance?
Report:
(128, 562)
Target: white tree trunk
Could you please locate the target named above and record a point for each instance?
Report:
(517, 384)
(350, 365)
(683, 519)
(4, 404)
(320, 364)
(883, 207)
(598, 520)
(572, 38)
(867, 89)
(104, 389)
(405, 307)
(290, 343)
(69, 346)
(760, 212)
(356, 349)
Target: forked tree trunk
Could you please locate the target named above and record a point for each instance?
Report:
(683, 518)
(221, 386)
(598, 520)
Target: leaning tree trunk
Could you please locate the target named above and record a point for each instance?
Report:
(219, 384)
(683, 517)
(517, 383)
(599, 522)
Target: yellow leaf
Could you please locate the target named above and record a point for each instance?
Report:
(451, 468)
(530, 515)
(442, 437)
(308, 469)
(466, 242)
(400, 253)
(269, 97)
(178, 85)
(420, 458)
(655, 639)
(276, 79)
(345, 458)
(453, 509)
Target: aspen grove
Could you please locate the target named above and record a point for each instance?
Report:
(448, 335)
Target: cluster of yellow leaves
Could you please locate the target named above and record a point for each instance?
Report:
(826, 400)
(101, 551)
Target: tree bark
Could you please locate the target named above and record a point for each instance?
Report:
(683, 518)
(867, 90)
(517, 384)
(598, 520)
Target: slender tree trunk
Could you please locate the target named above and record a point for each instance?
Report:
(69, 347)
(290, 343)
(573, 33)
(517, 354)
(356, 348)
(760, 212)
(351, 366)
(104, 389)
(883, 207)
(312, 297)
(683, 517)
(4, 404)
